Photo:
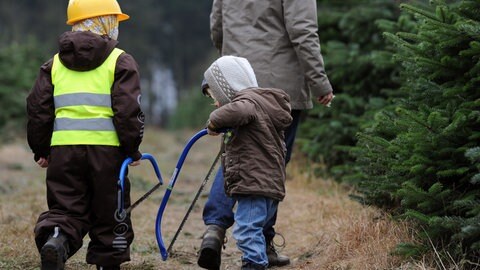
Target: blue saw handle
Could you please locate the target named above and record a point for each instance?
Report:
(120, 213)
(168, 191)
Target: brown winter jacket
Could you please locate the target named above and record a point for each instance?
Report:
(279, 38)
(82, 51)
(254, 159)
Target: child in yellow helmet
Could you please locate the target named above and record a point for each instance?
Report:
(84, 119)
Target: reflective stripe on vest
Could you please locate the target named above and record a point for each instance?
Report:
(83, 107)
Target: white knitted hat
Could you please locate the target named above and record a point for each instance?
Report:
(227, 75)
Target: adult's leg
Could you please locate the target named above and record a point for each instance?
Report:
(218, 208)
(218, 216)
(291, 132)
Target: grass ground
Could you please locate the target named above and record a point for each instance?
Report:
(322, 227)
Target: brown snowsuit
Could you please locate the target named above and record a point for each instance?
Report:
(82, 179)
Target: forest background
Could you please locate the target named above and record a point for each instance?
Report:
(404, 128)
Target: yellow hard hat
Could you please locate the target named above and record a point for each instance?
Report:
(83, 9)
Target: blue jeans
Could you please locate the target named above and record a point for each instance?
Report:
(218, 208)
(253, 214)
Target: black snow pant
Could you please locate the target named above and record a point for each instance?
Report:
(82, 198)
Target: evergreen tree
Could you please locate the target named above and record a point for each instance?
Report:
(19, 64)
(421, 158)
(360, 74)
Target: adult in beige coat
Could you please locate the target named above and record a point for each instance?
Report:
(280, 40)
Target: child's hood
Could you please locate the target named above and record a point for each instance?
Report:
(228, 75)
(273, 101)
(83, 51)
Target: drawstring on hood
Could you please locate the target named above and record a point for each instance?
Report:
(228, 75)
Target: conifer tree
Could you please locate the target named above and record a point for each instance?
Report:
(421, 158)
(360, 72)
(19, 64)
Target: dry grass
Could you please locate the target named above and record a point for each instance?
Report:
(333, 232)
(322, 227)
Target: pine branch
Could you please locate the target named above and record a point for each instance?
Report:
(409, 36)
(444, 26)
(418, 11)
(473, 154)
(399, 42)
(415, 118)
(474, 49)
(469, 27)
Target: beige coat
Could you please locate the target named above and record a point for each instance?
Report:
(280, 40)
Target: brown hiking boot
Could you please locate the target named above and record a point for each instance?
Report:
(275, 259)
(54, 252)
(210, 254)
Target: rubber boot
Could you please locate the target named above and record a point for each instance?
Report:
(275, 259)
(211, 248)
(54, 252)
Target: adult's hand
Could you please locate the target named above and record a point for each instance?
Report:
(326, 99)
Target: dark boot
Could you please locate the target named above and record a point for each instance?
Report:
(252, 266)
(54, 252)
(115, 267)
(210, 253)
(275, 259)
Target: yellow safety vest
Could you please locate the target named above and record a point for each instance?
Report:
(83, 107)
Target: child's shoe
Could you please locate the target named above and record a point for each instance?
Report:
(54, 253)
(275, 259)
